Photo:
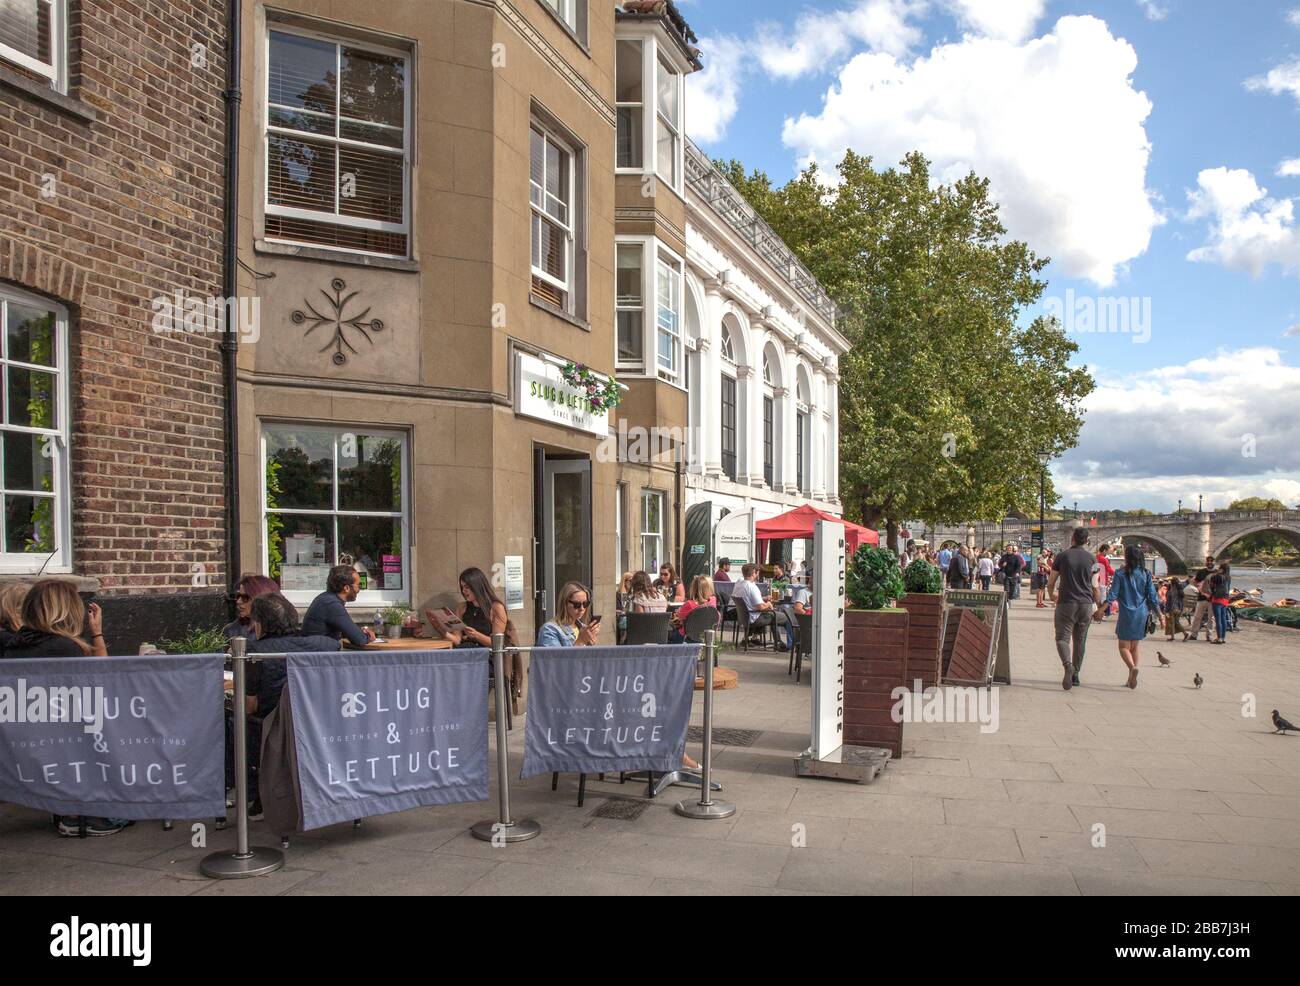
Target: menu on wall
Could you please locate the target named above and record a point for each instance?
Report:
(514, 572)
(392, 572)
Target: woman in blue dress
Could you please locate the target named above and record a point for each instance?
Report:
(1135, 591)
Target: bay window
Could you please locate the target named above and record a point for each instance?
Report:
(35, 525)
(337, 134)
(332, 496)
(647, 271)
(33, 35)
(644, 72)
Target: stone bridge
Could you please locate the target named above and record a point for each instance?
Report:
(1181, 539)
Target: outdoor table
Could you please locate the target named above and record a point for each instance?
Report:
(723, 679)
(405, 643)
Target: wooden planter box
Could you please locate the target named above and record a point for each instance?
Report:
(875, 663)
(966, 647)
(924, 644)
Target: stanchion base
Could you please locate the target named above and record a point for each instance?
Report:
(714, 809)
(228, 866)
(494, 831)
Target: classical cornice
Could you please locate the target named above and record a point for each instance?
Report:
(511, 15)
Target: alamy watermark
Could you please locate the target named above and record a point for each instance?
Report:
(193, 313)
(24, 703)
(950, 704)
(1101, 314)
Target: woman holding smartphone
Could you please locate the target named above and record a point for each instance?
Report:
(573, 625)
(481, 614)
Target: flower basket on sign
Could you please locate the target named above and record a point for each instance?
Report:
(603, 395)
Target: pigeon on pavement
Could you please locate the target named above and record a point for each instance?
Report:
(1197, 680)
(1282, 725)
(1164, 661)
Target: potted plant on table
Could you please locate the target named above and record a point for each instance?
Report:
(394, 617)
(875, 649)
(923, 601)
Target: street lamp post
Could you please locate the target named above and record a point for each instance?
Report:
(1044, 457)
(1200, 503)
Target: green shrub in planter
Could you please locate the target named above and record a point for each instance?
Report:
(873, 579)
(197, 640)
(921, 576)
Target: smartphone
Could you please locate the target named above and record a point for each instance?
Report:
(594, 621)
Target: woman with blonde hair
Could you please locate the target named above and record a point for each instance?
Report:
(645, 597)
(572, 626)
(11, 610)
(53, 619)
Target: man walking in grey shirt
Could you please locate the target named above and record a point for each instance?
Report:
(1075, 572)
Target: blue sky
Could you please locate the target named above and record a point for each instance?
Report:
(1150, 147)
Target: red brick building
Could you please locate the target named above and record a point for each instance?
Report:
(112, 160)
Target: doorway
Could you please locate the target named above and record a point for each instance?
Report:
(562, 498)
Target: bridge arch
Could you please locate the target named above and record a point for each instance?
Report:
(1174, 561)
(1291, 533)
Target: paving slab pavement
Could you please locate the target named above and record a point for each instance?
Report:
(1101, 790)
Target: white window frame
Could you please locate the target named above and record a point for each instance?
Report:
(620, 497)
(57, 72)
(642, 44)
(674, 373)
(675, 128)
(636, 366)
(653, 251)
(60, 560)
(538, 213)
(369, 598)
(651, 53)
(658, 535)
(565, 10)
(337, 142)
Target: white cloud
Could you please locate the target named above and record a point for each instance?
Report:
(1292, 331)
(818, 41)
(1006, 20)
(1054, 123)
(1248, 231)
(1154, 11)
(712, 94)
(1282, 79)
(1289, 169)
(1294, 17)
(1182, 451)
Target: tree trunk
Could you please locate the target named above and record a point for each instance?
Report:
(891, 528)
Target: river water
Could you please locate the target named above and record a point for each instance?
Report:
(1276, 583)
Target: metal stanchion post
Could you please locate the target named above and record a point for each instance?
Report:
(244, 861)
(706, 807)
(503, 829)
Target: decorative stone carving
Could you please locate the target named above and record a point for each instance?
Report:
(336, 318)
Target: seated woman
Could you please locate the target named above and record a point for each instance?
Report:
(249, 588)
(53, 618)
(481, 612)
(571, 627)
(275, 630)
(645, 597)
(701, 594)
(668, 585)
(12, 597)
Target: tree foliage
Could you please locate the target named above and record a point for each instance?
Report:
(945, 398)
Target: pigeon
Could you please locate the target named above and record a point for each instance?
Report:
(1164, 661)
(1282, 725)
(1197, 680)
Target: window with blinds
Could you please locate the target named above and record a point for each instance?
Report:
(337, 144)
(550, 196)
(630, 304)
(32, 37)
(769, 445)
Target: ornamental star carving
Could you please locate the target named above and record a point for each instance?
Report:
(335, 316)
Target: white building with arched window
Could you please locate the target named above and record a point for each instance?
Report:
(761, 360)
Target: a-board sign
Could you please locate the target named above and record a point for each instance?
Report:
(828, 638)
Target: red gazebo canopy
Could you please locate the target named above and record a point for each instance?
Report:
(798, 523)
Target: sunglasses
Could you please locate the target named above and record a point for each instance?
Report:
(578, 605)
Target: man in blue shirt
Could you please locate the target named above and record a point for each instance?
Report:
(327, 616)
(945, 556)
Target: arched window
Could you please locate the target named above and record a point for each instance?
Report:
(726, 348)
(728, 403)
(769, 423)
(803, 433)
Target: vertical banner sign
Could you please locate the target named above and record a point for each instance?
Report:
(829, 564)
(594, 709)
(733, 538)
(381, 732)
(117, 737)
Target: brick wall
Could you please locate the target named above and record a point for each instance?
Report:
(136, 214)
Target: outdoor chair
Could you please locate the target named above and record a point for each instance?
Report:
(742, 628)
(647, 628)
(699, 622)
(802, 644)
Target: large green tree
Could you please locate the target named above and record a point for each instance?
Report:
(945, 398)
